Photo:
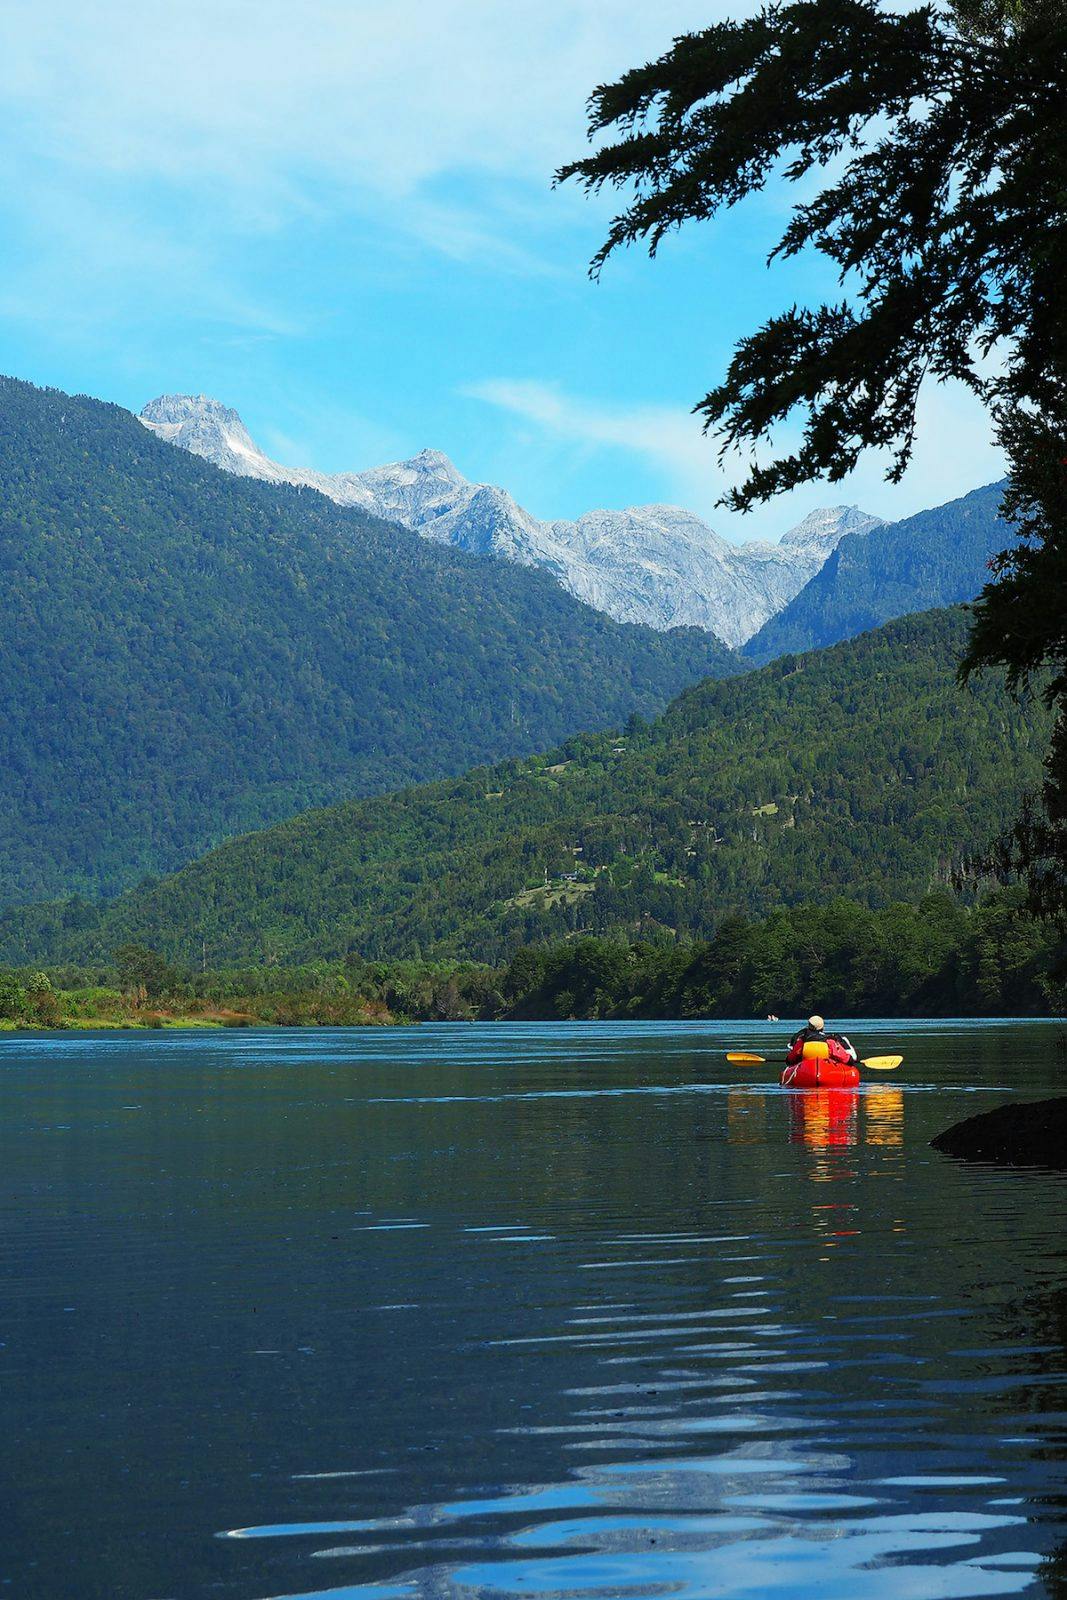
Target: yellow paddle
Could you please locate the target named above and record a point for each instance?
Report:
(741, 1058)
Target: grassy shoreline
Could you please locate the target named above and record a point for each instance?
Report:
(119, 1024)
(57, 1010)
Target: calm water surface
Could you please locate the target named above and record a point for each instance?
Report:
(548, 1310)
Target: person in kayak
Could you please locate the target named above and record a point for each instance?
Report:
(841, 1051)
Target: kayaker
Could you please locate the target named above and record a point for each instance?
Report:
(841, 1050)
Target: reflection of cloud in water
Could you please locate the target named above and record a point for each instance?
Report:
(643, 1350)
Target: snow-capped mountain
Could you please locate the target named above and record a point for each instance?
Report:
(656, 564)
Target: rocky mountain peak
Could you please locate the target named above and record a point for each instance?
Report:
(825, 528)
(173, 409)
(207, 428)
(434, 461)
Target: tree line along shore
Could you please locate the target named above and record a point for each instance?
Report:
(937, 958)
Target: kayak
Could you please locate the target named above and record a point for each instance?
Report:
(820, 1074)
(815, 1069)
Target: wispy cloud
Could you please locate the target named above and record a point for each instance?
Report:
(149, 151)
(954, 453)
(668, 436)
(326, 435)
(79, 256)
(240, 186)
(261, 102)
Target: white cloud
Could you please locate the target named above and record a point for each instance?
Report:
(145, 148)
(954, 454)
(263, 100)
(76, 260)
(665, 435)
(323, 434)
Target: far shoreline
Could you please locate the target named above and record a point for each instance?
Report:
(157, 1022)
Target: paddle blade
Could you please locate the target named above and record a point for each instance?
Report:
(741, 1058)
(883, 1063)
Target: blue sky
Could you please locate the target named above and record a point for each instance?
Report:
(338, 218)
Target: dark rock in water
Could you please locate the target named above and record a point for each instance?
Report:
(1030, 1134)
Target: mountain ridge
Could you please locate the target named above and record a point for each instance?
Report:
(657, 564)
(937, 557)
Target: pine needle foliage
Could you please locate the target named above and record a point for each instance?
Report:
(939, 134)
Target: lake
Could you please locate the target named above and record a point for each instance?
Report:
(524, 1310)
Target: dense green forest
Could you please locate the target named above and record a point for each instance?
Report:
(861, 770)
(187, 655)
(933, 559)
(938, 958)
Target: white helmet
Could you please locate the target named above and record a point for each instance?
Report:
(818, 1023)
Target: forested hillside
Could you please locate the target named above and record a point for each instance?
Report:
(186, 655)
(936, 558)
(862, 770)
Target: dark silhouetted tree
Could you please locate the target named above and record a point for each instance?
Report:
(941, 136)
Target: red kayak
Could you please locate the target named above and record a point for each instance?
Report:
(820, 1066)
(820, 1074)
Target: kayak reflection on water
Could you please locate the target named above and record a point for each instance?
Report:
(883, 1115)
(820, 1118)
(823, 1117)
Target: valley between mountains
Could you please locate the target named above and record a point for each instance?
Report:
(188, 654)
(858, 771)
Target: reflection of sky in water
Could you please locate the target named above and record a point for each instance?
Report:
(721, 1525)
(551, 1312)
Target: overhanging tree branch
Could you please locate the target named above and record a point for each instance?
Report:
(948, 229)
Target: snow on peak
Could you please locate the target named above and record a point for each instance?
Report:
(434, 461)
(207, 428)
